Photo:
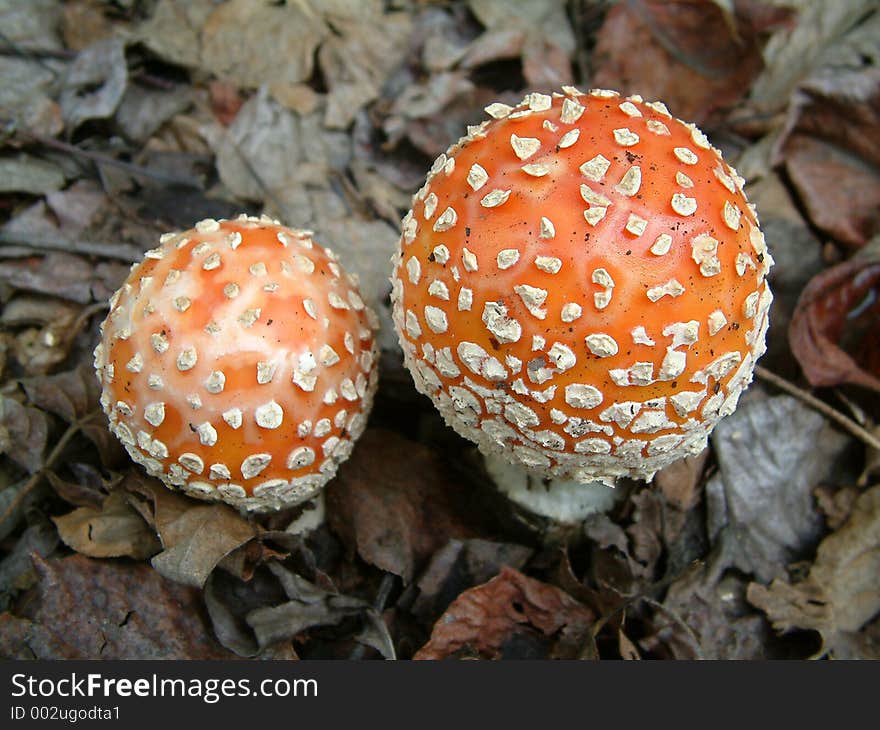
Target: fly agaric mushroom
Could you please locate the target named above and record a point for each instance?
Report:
(580, 287)
(238, 363)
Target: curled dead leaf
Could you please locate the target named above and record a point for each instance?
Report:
(511, 616)
(195, 536)
(835, 330)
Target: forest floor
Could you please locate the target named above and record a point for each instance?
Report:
(123, 119)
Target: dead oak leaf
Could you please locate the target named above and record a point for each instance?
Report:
(93, 609)
(841, 594)
(511, 616)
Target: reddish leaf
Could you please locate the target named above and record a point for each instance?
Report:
(830, 153)
(93, 609)
(687, 53)
(840, 310)
(511, 616)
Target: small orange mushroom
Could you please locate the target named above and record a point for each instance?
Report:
(238, 363)
(580, 286)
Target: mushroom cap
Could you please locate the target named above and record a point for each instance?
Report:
(238, 363)
(580, 286)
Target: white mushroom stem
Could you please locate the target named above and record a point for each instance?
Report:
(311, 517)
(563, 501)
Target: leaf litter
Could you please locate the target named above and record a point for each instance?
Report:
(121, 121)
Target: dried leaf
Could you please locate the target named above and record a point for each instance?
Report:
(25, 94)
(357, 60)
(821, 29)
(544, 32)
(28, 174)
(659, 50)
(58, 273)
(84, 23)
(70, 395)
(839, 309)
(32, 23)
(511, 616)
(394, 503)
(95, 82)
(92, 609)
(626, 647)
(463, 564)
(771, 453)
(195, 536)
(705, 616)
(311, 606)
(680, 481)
(17, 569)
(174, 29)
(261, 43)
(841, 594)
(23, 434)
(113, 531)
(264, 151)
(143, 110)
(834, 122)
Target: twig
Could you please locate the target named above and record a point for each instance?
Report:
(37, 477)
(842, 419)
(118, 252)
(698, 650)
(35, 55)
(102, 159)
(632, 600)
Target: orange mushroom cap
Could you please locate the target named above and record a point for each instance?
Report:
(238, 363)
(580, 286)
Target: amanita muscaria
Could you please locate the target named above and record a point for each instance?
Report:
(238, 363)
(580, 286)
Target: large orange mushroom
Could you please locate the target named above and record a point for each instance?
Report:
(580, 286)
(238, 363)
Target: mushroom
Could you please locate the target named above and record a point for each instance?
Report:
(580, 288)
(238, 363)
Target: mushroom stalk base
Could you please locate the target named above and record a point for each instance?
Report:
(563, 501)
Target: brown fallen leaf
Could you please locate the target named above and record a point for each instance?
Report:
(838, 309)
(511, 616)
(680, 481)
(24, 432)
(94, 609)
(841, 594)
(690, 54)
(395, 503)
(113, 531)
(828, 145)
(195, 536)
